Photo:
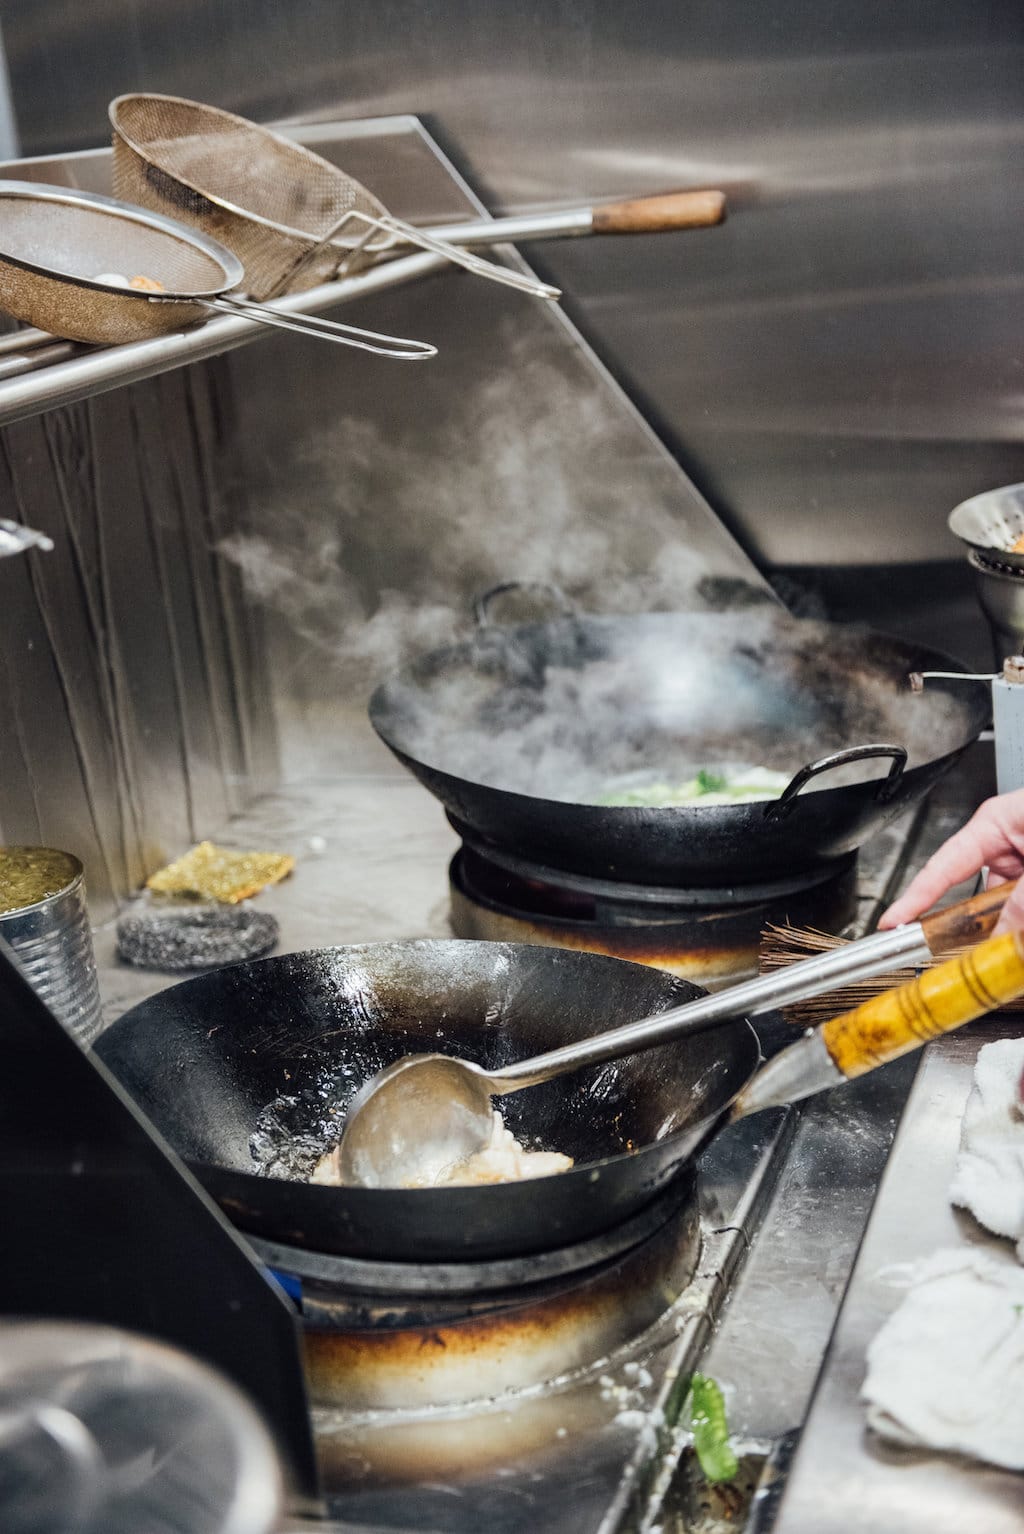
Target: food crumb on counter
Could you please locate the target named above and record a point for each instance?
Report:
(219, 873)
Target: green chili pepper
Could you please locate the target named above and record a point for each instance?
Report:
(710, 1430)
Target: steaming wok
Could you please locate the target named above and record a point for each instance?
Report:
(204, 1058)
(516, 728)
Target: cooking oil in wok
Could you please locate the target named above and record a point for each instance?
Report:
(294, 1130)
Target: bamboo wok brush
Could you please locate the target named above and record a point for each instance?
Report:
(783, 944)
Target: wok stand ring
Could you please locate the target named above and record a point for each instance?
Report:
(779, 808)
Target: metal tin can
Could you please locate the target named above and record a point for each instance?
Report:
(43, 917)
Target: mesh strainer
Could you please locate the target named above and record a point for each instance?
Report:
(992, 524)
(59, 248)
(292, 218)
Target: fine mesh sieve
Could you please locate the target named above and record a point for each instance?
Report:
(293, 219)
(55, 244)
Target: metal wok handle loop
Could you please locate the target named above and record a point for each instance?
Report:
(397, 347)
(779, 808)
(563, 605)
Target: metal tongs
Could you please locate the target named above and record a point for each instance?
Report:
(427, 1112)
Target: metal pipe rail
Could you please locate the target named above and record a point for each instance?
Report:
(70, 372)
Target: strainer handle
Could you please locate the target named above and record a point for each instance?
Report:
(397, 347)
(410, 235)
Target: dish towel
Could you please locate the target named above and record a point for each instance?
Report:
(989, 1176)
(946, 1371)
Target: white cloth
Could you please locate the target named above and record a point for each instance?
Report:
(946, 1371)
(989, 1176)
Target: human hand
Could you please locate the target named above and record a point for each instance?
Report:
(992, 838)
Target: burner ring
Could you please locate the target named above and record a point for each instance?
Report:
(357, 1274)
(652, 894)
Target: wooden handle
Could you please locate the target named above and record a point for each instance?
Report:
(646, 215)
(940, 1000)
(958, 926)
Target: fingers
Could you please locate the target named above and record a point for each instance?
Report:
(993, 836)
(957, 860)
(1011, 917)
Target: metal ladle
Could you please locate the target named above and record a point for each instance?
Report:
(425, 1114)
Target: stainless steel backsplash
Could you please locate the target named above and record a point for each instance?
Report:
(840, 364)
(135, 708)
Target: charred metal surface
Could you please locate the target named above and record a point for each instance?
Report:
(698, 935)
(439, 1352)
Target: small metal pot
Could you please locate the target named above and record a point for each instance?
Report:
(43, 918)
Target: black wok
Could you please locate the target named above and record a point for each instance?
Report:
(516, 729)
(205, 1058)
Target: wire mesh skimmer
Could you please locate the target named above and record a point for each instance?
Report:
(293, 219)
(67, 258)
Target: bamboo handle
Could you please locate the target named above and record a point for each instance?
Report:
(958, 926)
(940, 1000)
(646, 215)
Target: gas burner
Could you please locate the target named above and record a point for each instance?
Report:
(413, 1335)
(709, 936)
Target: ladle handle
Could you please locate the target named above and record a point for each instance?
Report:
(892, 1024)
(903, 947)
(647, 215)
(779, 808)
(396, 347)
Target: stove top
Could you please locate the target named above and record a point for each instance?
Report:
(530, 1406)
(593, 1450)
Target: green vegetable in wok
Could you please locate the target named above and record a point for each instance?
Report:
(740, 785)
(710, 1429)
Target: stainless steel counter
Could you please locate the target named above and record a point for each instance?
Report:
(371, 861)
(843, 1480)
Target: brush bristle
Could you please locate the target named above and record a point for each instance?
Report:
(783, 945)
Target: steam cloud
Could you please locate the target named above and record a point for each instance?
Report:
(375, 549)
(370, 547)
